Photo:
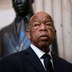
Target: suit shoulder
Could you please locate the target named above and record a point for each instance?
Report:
(15, 55)
(6, 28)
(61, 61)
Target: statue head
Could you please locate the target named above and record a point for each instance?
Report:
(22, 7)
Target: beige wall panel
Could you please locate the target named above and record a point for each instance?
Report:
(5, 4)
(48, 6)
(6, 17)
(57, 15)
(67, 29)
(7, 13)
(38, 6)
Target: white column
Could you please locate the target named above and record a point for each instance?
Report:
(67, 29)
(48, 6)
(6, 17)
(58, 25)
(38, 6)
(7, 13)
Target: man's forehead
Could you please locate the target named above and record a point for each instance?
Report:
(42, 16)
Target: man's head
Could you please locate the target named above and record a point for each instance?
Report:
(22, 7)
(42, 30)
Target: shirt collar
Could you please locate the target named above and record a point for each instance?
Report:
(39, 52)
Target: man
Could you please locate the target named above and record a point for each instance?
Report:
(41, 34)
(10, 35)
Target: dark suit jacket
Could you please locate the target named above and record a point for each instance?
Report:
(9, 40)
(27, 61)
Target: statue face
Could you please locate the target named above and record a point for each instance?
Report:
(22, 7)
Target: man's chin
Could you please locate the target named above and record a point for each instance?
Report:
(44, 45)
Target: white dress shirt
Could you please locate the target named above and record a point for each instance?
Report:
(40, 53)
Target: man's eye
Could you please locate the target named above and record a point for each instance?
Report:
(49, 23)
(36, 24)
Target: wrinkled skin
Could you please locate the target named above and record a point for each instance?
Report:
(42, 30)
(22, 7)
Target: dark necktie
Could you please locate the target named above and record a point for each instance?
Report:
(47, 63)
(24, 42)
(21, 31)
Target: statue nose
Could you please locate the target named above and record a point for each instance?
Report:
(18, 1)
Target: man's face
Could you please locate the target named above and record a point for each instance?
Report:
(22, 7)
(42, 31)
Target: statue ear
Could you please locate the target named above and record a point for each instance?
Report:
(32, 1)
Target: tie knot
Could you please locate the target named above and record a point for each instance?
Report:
(47, 63)
(46, 56)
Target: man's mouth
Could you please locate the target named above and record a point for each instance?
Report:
(44, 37)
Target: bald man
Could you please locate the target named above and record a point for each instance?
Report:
(41, 34)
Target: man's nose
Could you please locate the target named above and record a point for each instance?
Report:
(43, 27)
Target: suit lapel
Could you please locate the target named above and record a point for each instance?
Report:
(13, 34)
(56, 63)
(32, 57)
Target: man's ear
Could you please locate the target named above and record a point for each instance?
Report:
(28, 34)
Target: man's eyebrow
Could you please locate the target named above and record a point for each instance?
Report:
(48, 20)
